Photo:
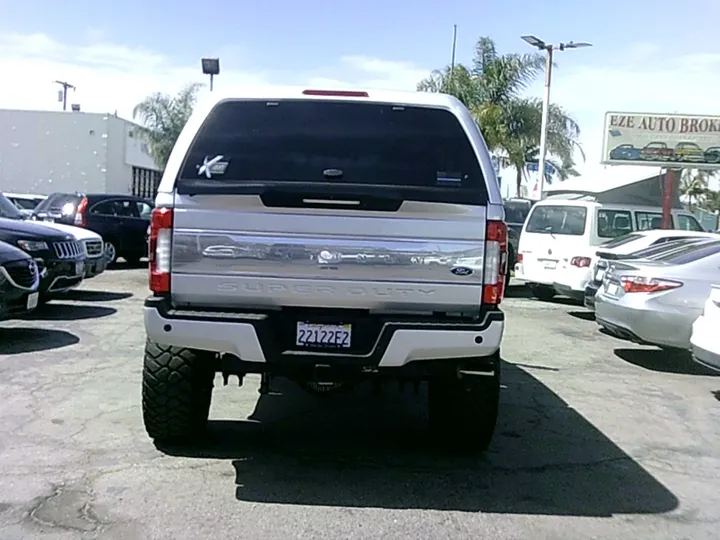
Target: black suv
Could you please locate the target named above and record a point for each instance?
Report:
(122, 220)
(60, 258)
(19, 281)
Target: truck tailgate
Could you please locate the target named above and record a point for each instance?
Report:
(233, 250)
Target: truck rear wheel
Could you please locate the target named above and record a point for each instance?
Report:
(177, 388)
(463, 411)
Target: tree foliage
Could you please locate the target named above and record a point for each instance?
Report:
(492, 89)
(694, 184)
(162, 119)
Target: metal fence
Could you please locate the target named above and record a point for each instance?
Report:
(145, 182)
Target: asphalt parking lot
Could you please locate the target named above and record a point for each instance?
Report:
(597, 439)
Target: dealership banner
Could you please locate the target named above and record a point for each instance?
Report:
(663, 140)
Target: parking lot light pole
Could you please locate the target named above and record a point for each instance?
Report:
(549, 49)
(211, 66)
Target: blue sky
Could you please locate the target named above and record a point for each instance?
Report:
(285, 35)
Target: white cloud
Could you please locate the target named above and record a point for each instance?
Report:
(111, 77)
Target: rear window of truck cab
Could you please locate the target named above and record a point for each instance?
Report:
(421, 152)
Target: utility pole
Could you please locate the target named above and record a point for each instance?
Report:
(548, 48)
(65, 86)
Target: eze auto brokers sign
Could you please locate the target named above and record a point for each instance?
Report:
(663, 140)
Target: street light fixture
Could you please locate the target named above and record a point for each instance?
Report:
(211, 66)
(549, 48)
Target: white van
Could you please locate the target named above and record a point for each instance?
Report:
(559, 236)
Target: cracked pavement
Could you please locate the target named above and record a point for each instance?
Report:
(597, 438)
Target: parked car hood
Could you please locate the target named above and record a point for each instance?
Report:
(16, 229)
(9, 253)
(78, 232)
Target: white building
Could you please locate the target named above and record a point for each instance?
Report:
(46, 151)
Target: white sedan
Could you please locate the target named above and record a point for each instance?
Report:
(95, 259)
(704, 339)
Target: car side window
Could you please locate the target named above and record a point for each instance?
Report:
(105, 208)
(648, 221)
(613, 223)
(144, 210)
(125, 208)
(688, 223)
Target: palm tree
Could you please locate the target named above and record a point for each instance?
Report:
(694, 185)
(163, 118)
(491, 89)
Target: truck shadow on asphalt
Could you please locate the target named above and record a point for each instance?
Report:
(362, 450)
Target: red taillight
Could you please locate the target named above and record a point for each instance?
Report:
(159, 249)
(580, 262)
(519, 258)
(80, 220)
(640, 284)
(495, 262)
(337, 93)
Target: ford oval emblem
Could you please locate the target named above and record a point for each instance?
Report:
(462, 271)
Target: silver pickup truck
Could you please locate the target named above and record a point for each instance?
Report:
(328, 237)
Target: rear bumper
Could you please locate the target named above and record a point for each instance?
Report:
(263, 337)
(643, 326)
(705, 343)
(571, 282)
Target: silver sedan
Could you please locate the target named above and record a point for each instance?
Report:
(656, 301)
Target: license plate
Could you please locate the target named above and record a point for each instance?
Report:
(79, 268)
(32, 300)
(550, 265)
(611, 289)
(323, 335)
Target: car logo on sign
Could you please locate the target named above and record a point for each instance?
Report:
(462, 271)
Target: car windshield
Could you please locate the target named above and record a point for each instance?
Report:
(24, 204)
(557, 219)
(516, 211)
(58, 202)
(422, 152)
(9, 210)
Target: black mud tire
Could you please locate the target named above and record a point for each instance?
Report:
(177, 388)
(463, 412)
(543, 292)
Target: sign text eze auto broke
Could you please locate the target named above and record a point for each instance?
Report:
(666, 124)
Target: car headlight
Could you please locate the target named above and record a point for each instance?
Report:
(32, 245)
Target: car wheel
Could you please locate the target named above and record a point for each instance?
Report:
(110, 252)
(177, 388)
(463, 412)
(543, 292)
